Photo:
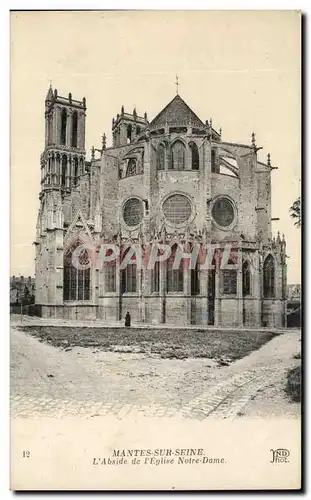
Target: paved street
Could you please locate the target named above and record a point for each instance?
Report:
(46, 381)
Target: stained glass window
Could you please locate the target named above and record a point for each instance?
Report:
(131, 168)
(178, 156)
(268, 277)
(194, 156)
(133, 212)
(161, 157)
(229, 281)
(174, 277)
(223, 212)
(177, 208)
(76, 281)
(110, 276)
(128, 279)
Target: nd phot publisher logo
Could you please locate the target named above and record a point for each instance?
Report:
(280, 456)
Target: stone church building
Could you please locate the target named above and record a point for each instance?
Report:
(170, 180)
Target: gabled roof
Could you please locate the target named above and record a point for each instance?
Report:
(177, 112)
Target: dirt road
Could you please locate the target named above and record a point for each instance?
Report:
(46, 381)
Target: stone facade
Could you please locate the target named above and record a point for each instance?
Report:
(172, 180)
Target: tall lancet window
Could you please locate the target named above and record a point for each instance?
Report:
(63, 127)
(174, 277)
(178, 156)
(195, 162)
(76, 171)
(128, 276)
(76, 275)
(64, 170)
(74, 130)
(269, 277)
(229, 280)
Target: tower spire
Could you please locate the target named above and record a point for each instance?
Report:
(49, 95)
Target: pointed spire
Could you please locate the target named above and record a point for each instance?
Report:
(134, 113)
(283, 245)
(122, 110)
(49, 95)
(113, 121)
(253, 140)
(145, 116)
(278, 239)
(268, 160)
(97, 217)
(104, 142)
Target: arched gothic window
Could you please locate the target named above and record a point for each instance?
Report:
(268, 277)
(128, 277)
(64, 170)
(174, 277)
(63, 126)
(246, 271)
(50, 129)
(129, 133)
(76, 281)
(161, 157)
(76, 171)
(194, 156)
(155, 277)
(110, 272)
(178, 156)
(131, 167)
(74, 132)
(229, 280)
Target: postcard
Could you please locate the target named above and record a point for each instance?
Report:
(155, 297)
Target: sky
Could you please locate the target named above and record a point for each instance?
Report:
(242, 68)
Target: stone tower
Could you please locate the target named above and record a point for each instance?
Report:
(126, 127)
(62, 165)
(62, 161)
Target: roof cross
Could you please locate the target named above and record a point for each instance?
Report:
(177, 84)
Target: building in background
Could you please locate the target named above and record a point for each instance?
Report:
(294, 305)
(171, 180)
(22, 288)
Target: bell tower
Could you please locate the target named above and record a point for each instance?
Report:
(62, 164)
(63, 159)
(126, 127)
